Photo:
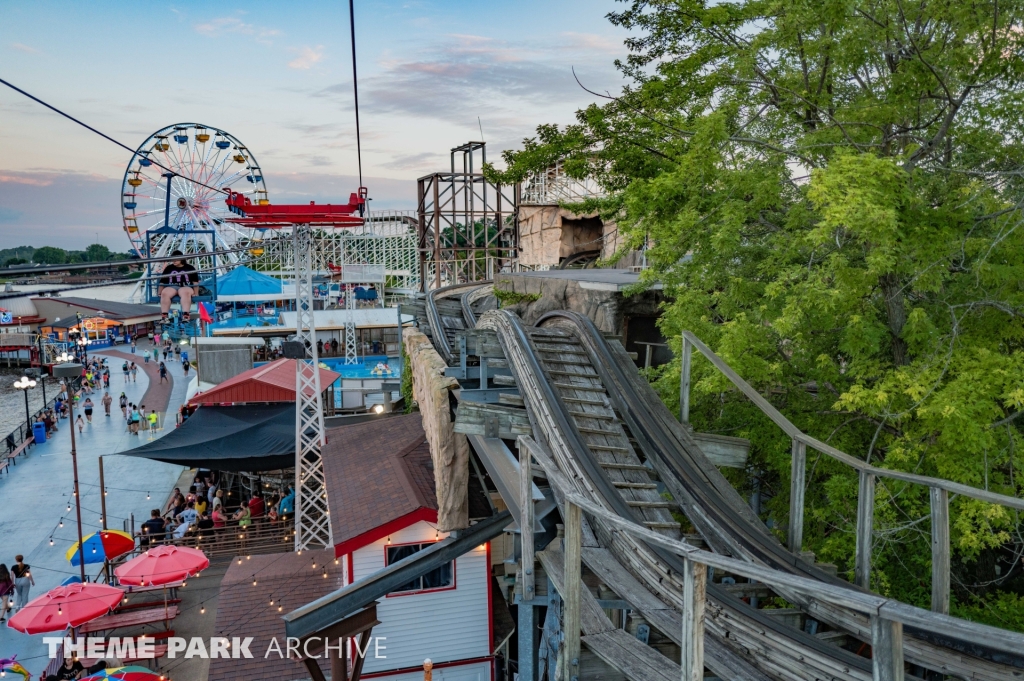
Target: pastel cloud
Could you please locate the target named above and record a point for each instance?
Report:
(308, 56)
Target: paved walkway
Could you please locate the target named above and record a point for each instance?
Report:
(35, 495)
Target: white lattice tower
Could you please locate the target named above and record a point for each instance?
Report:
(351, 354)
(312, 518)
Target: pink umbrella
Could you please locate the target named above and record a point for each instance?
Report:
(66, 606)
(162, 565)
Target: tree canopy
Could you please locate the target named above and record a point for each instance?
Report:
(846, 181)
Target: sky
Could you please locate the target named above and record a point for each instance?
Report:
(278, 76)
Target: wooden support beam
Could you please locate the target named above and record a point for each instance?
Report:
(313, 667)
(526, 522)
(491, 420)
(684, 382)
(339, 661)
(797, 482)
(571, 597)
(694, 594)
(357, 665)
(886, 649)
(940, 550)
(865, 528)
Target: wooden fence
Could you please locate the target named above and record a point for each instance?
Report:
(939, 490)
(887, 616)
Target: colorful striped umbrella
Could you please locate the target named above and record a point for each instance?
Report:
(101, 546)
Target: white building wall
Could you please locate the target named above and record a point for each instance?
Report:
(444, 625)
(478, 671)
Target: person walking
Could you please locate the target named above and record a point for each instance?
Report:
(135, 371)
(88, 409)
(124, 370)
(106, 378)
(177, 353)
(22, 581)
(185, 366)
(80, 422)
(143, 421)
(133, 347)
(6, 587)
(106, 402)
(122, 401)
(136, 420)
(156, 354)
(163, 371)
(153, 419)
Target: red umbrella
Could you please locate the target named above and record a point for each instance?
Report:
(66, 606)
(162, 565)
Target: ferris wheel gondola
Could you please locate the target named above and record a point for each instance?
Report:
(204, 162)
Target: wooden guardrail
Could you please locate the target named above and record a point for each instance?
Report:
(939, 489)
(261, 537)
(887, 616)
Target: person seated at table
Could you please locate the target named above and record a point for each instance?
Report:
(179, 279)
(205, 525)
(256, 506)
(219, 518)
(72, 668)
(153, 530)
(243, 515)
(186, 518)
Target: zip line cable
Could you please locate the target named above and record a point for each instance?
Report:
(355, 85)
(135, 152)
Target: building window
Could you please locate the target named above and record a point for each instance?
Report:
(441, 578)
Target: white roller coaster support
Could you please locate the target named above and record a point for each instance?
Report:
(312, 517)
(351, 352)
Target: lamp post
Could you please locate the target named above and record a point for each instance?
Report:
(83, 343)
(69, 369)
(24, 384)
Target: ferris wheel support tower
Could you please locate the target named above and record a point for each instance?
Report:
(312, 510)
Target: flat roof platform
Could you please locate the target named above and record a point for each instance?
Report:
(593, 279)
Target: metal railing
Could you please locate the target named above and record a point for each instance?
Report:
(939, 489)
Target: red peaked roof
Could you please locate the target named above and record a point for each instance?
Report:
(272, 382)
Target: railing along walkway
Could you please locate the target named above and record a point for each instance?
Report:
(939, 489)
(887, 616)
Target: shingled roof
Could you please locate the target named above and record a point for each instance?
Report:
(245, 610)
(379, 479)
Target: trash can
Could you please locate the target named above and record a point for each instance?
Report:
(39, 432)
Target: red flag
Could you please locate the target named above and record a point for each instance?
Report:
(203, 314)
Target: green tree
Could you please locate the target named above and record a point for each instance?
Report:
(98, 253)
(832, 195)
(50, 255)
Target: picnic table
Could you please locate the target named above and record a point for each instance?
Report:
(172, 588)
(130, 618)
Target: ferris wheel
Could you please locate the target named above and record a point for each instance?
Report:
(196, 155)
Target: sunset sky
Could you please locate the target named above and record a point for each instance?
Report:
(278, 76)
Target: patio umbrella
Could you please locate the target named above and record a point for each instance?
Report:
(65, 606)
(101, 546)
(130, 673)
(162, 565)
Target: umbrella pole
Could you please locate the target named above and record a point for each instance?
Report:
(165, 606)
(103, 520)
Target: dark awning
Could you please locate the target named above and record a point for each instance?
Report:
(236, 438)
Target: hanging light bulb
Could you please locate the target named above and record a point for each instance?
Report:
(69, 508)
(335, 561)
(239, 560)
(60, 609)
(254, 580)
(314, 563)
(61, 522)
(325, 573)
(147, 496)
(271, 599)
(51, 541)
(202, 609)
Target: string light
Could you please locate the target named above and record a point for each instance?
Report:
(51, 541)
(254, 580)
(202, 609)
(69, 508)
(61, 523)
(325, 573)
(271, 599)
(147, 496)
(314, 563)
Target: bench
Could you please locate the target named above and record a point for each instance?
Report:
(10, 458)
(131, 618)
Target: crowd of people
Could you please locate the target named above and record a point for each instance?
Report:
(203, 509)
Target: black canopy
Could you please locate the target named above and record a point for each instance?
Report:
(238, 438)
